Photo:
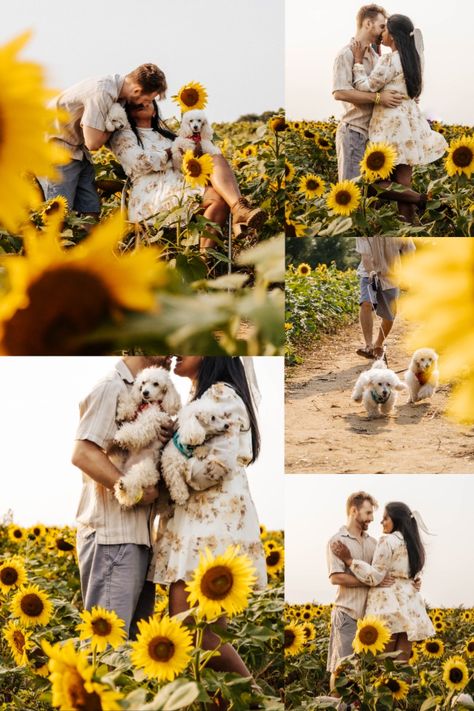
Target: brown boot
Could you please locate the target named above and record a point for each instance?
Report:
(244, 216)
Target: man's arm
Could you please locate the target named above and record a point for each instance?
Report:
(347, 580)
(95, 139)
(388, 98)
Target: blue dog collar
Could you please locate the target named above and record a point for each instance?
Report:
(379, 400)
(186, 449)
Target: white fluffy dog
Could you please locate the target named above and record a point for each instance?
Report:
(378, 389)
(422, 374)
(195, 134)
(148, 406)
(199, 423)
(116, 118)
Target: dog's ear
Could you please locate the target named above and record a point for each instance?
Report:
(171, 401)
(206, 130)
(400, 386)
(190, 430)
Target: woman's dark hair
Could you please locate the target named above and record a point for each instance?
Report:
(157, 124)
(402, 30)
(403, 521)
(228, 369)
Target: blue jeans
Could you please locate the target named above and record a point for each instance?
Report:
(76, 185)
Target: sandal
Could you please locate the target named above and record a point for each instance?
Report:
(367, 352)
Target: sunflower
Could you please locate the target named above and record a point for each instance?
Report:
(24, 121)
(372, 635)
(19, 642)
(12, 574)
(398, 689)
(413, 658)
(277, 124)
(309, 631)
(439, 626)
(303, 269)
(294, 228)
(56, 204)
(16, 534)
(469, 647)
(378, 161)
(161, 605)
(288, 326)
(289, 171)
(432, 648)
(343, 198)
(275, 559)
(323, 143)
(162, 649)
(250, 150)
(221, 584)
(56, 295)
(32, 606)
(60, 545)
(460, 158)
(102, 627)
(191, 96)
(263, 530)
(294, 639)
(455, 673)
(197, 170)
(467, 616)
(311, 186)
(36, 532)
(72, 681)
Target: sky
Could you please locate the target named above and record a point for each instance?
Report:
(234, 49)
(316, 31)
(39, 415)
(315, 509)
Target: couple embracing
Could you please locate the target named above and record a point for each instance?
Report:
(119, 562)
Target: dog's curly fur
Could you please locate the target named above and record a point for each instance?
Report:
(381, 381)
(422, 375)
(194, 123)
(141, 412)
(116, 118)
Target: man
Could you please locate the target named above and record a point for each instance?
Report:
(87, 105)
(352, 132)
(351, 596)
(379, 290)
(113, 544)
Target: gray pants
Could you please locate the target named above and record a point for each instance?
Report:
(114, 577)
(343, 631)
(350, 149)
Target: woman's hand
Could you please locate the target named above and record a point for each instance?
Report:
(341, 551)
(358, 50)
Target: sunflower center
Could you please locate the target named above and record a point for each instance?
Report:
(32, 605)
(217, 582)
(308, 134)
(470, 647)
(376, 160)
(289, 638)
(290, 230)
(393, 685)
(101, 627)
(432, 647)
(36, 531)
(323, 142)
(194, 168)
(287, 170)
(8, 575)
(273, 558)
(79, 698)
(456, 675)
(343, 197)
(17, 533)
(161, 649)
(312, 184)
(63, 545)
(368, 635)
(53, 207)
(64, 303)
(462, 156)
(19, 640)
(190, 97)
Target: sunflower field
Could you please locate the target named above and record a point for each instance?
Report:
(439, 674)
(69, 286)
(55, 654)
(317, 204)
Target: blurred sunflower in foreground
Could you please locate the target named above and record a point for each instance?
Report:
(440, 300)
(57, 295)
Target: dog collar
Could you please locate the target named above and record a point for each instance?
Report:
(423, 377)
(186, 450)
(196, 137)
(380, 400)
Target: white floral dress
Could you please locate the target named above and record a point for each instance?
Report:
(155, 185)
(216, 515)
(400, 606)
(403, 126)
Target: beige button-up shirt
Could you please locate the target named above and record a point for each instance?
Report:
(384, 253)
(357, 117)
(88, 102)
(352, 601)
(98, 509)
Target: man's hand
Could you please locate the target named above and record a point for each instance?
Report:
(341, 551)
(391, 98)
(387, 582)
(150, 494)
(166, 432)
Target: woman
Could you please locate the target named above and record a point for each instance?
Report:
(399, 553)
(221, 515)
(404, 127)
(144, 150)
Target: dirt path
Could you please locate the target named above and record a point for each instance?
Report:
(326, 432)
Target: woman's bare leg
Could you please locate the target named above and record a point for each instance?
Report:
(404, 645)
(224, 181)
(403, 176)
(228, 660)
(216, 210)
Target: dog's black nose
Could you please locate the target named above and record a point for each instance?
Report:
(145, 393)
(226, 426)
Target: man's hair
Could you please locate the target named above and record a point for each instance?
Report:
(371, 12)
(150, 78)
(358, 499)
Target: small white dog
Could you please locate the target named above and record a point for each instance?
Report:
(149, 405)
(422, 374)
(116, 118)
(200, 425)
(195, 134)
(378, 389)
